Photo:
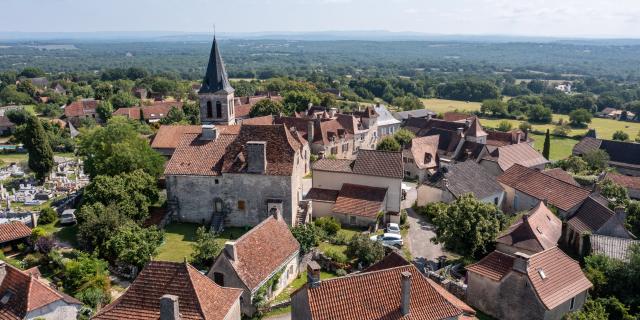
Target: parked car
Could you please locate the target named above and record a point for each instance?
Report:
(389, 239)
(68, 217)
(393, 228)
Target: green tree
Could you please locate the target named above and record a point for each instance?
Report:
(540, 114)
(26, 87)
(266, 107)
(103, 91)
(580, 117)
(496, 107)
(307, 235)
(388, 143)
(206, 247)
(18, 116)
(596, 159)
(620, 136)
(562, 130)
(615, 193)
(123, 100)
(47, 216)
(573, 164)
(104, 110)
(366, 251)
(117, 148)
(404, 136)
(546, 149)
(97, 223)
(9, 95)
(299, 100)
(163, 86)
(175, 115)
(504, 126)
(468, 226)
(592, 310)
(633, 217)
(31, 72)
(525, 126)
(132, 192)
(133, 245)
(329, 225)
(191, 112)
(86, 273)
(40, 152)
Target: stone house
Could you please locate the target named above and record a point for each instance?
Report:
(234, 175)
(262, 262)
(421, 157)
(24, 296)
(390, 292)
(622, 155)
(12, 234)
(526, 187)
(537, 230)
(546, 285)
(499, 159)
(356, 191)
(595, 217)
(150, 114)
(167, 137)
(173, 291)
(82, 109)
(386, 123)
(631, 183)
(454, 180)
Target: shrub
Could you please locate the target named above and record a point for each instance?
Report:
(403, 217)
(620, 136)
(336, 256)
(47, 216)
(366, 251)
(36, 233)
(504, 126)
(329, 225)
(341, 272)
(45, 244)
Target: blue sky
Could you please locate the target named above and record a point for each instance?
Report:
(599, 18)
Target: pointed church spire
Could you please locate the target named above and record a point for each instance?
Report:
(216, 78)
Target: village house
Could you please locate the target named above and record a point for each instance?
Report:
(612, 247)
(502, 158)
(167, 137)
(420, 157)
(536, 231)
(526, 187)
(622, 155)
(499, 139)
(545, 285)
(150, 114)
(356, 191)
(13, 233)
(392, 293)
(262, 262)
(24, 296)
(595, 217)
(402, 116)
(386, 123)
(631, 183)
(173, 291)
(560, 174)
(82, 109)
(455, 180)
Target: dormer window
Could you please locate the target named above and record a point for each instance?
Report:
(539, 229)
(542, 274)
(427, 158)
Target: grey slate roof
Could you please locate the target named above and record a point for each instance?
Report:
(420, 113)
(216, 78)
(620, 152)
(466, 177)
(613, 247)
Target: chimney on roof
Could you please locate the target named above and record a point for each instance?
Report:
(309, 106)
(209, 132)
(518, 137)
(34, 219)
(169, 308)
(621, 213)
(230, 249)
(257, 157)
(460, 132)
(405, 299)
(332, 112)
(521, 263)
(526, 134)
(310, 126)
(313, 274)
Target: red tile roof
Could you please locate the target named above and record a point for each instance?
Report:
(168, 137)
(422, 146)
(227, 152)
(264, 120)
(157, 110)
(29, 294)
(591, 216)
(263, 250)
(377, 295)
(198, 296)
(541, 186)
(625, 181)
(494, 266)
(391, 260)
(324, 130)
(560, 174)
(334, 165)
(455, 116)
(537, 230)
(521, 153)
(13, 231)
(360, 200)
(322, 194)
(81, 108)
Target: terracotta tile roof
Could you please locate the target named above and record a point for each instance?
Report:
(198, 296)
(613, 247)
(537, 230)
(81, 108)
(264, 120)
(560, 174)
(541, 186)
(521, 153)
(168, 137)
(456, 116)
(334, 165)
(13, 231)
(625, 181)
(563, 278)
(157, 110)
(391, 260)
(322, 194)
(28, 294)
(475, 129)
(494, 266)
(591, 216)
(499, 138)
(227, 154)
(423, 146)
(324, 130)
(379, 163)
(377, 295)
(360, 200)
(263, 250)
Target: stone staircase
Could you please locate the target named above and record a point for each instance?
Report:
(217, 223)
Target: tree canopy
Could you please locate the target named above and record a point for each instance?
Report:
(266, 107)
(388, 143)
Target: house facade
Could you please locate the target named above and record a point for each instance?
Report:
(537, 230)
(82, 109)
(386, 123)
(421, 157)
(261, 263)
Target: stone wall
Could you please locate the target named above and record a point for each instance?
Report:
(227, 105)
(58, 310)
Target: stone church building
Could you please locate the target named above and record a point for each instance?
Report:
(234, 175)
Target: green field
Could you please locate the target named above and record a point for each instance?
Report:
(180, 237)
(561, 147)
(442, 105)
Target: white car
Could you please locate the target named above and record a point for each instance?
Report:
(389, 239)
(393, 228)
(68, 217)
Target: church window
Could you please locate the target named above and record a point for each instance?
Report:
(209, 110)
(218, 109)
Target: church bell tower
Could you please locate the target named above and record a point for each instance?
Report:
(216, 94)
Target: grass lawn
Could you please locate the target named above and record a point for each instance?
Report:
(442, 105)
(277, 312)
(561, 147)
(179, 238)
(345, 232)
(63, 233)
(299, 282)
